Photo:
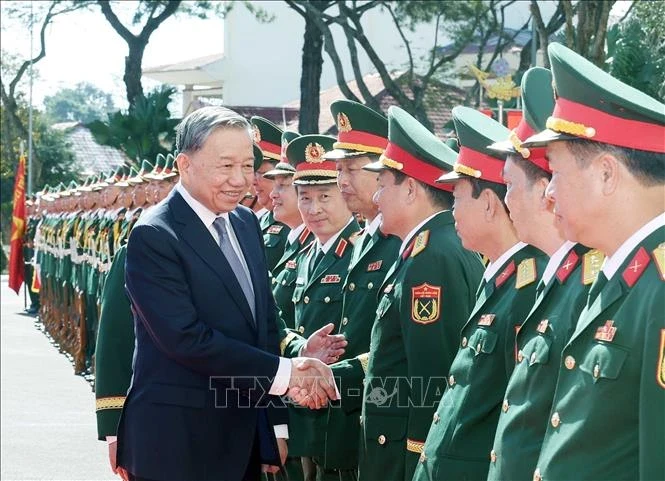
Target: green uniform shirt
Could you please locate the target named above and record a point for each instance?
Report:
(274, 238)
(318, 301)
(608, 415)
(372, 257)
(426, 297)
(462, 430)
(547, 328)
(114, 350)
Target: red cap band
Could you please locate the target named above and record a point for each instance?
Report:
(416, 168)
(270, 148)
(490, 168)
(359, 139)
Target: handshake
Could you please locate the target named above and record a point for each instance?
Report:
(312, 383)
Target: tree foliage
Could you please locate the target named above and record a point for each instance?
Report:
(83, 103)
(142, 132)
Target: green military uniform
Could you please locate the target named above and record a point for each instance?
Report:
(561, 296)
(425, 298)
(463, 427)
(607, 419)
(268, 137)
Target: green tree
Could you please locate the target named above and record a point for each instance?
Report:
(84, 103)
(142, 132)
(636, 49)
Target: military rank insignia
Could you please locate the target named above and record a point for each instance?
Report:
(606, 332)
(591, 265)
(660, 373)
(420, 243)
(275, 229)
(425, 303)
(526, 273)
(659, 259)
(636, 267)
(507, 272)
(567, 266)
(374, 266)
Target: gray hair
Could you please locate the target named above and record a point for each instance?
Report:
(194, 130)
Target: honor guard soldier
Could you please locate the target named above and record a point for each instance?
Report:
(463, 427)
(317, 295)
(362, 137)
(561, 294)
(425, 298)
(269, 139)
(606, 146)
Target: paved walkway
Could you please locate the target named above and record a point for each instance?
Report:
(47, 420)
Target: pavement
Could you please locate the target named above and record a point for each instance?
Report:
(47, 414)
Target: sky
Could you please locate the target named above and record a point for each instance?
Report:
(82, 46)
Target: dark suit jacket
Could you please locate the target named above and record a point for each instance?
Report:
(195, 339)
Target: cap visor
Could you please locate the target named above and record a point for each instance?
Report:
(448, 178)
(543, 138)
(377, 166)
(343, 154)
(315, 180)
(503, 147)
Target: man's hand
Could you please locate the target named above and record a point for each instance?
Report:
(283, 453)
(324, 346)
(311, 383)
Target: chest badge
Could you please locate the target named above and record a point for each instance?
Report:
(606, 333)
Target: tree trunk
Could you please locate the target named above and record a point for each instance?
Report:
(133, 71)
(310, 79)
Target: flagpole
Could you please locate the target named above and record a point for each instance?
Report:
(30, 109)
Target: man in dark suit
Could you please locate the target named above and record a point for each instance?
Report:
(206, 370)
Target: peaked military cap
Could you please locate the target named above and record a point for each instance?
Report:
(170, 168)
(268, 137)
(130, 175)
(306, 153)
(593, 105)
(146, 168)
(475, 131)
(287, 137)
(160, 163)
(283, 167)
(414, 150)
(537, 106)
(361, 130)
(258, 157)
(453, 143)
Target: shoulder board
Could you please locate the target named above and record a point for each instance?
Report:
(304, 235)
(659, 259)
(567, 267)
(407, 251)
(505, 275)
(420, 243)
(275, 229)
(341, 247)
(526, 273)
(636, 267)
(592, 262)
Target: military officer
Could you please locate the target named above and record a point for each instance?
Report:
(463, 427)
(561, 294)
(317, 295)
(269, 139)
(28, 254)
(425, 297)
(606, 146)
(362, 137)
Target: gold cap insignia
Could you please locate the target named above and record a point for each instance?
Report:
(314, 153)
(343, 122)
(257, 134)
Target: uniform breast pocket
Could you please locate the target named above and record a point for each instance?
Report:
(483, 342)
(537, 350)
(604, 361)
(384, 305)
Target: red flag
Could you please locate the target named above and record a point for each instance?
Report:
(16, 267)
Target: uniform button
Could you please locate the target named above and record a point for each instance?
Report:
(505, 406)
(493, 456)
(436, 418)
(301, 329)
(556, 420)
(464, 341)
(370, 285)
(451, 380)
(381, 439)
(306, 300)
(532, 359)
(274, 281)
(537, 476)
(520, 356)
(422, 458)
(361, 420)
(326, 299)
(569, 362)
(596, 371)
(478, 346)
(345, 321)
(283, 283)
(352, 287)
